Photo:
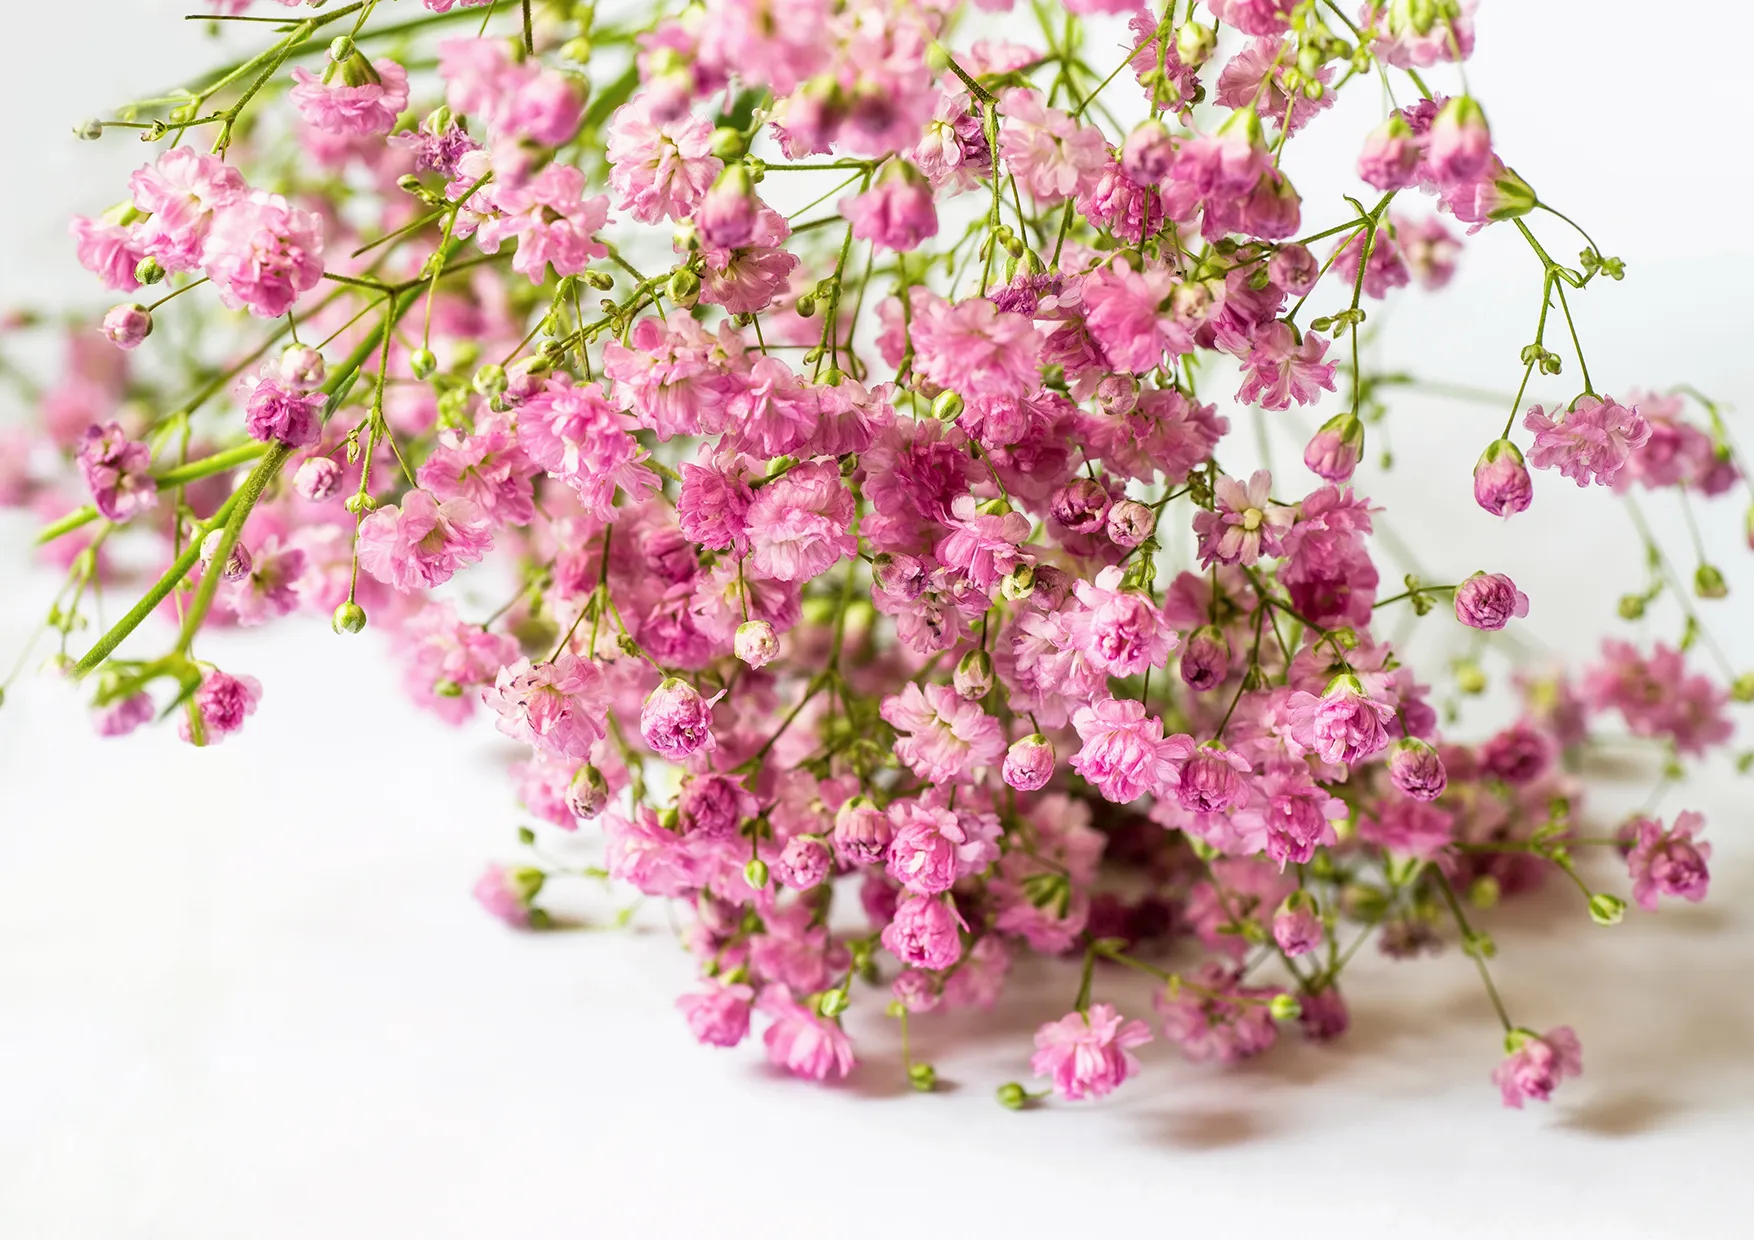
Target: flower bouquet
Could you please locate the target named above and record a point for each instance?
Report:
(808, 428)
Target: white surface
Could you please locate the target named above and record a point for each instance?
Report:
(244, 992)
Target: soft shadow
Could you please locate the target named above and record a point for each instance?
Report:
(1204, 1128)
(1626, 1114)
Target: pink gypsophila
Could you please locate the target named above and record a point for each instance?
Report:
(801, 1041)
(561, 707)
(943, 735)
(368, 105)
(1088, 1054)
(1125, 753)
(423, 542)
(263, 252)
(1589, 444)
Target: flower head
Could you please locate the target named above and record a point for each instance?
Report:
(1088, 1054)
(1536, 1064)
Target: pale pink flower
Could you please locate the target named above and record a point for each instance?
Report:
(487, 467)
(925, 933)
(802, 1041)
(1125, 752)
(661, 160)
(1489, 601)
(1051, 155)
(363, 101)
(1536, 1064)
(1128, 313)
(800, 524)
(506, 893)
(982, 545)
(553, 221)
(560, 707)
(1343, 725)
(677, 721)
(1029, 763)
(1223, 1021)
(573, 432)
(643, 853)
(1282, 368)
(932, 847)
(943, 736)
(118, 471)
(1088, 1054)
(221, 703)
(121, 717)
(181, 191)
(263, 253)
(897, 213)
(1246, 525)
(1120, 630)
(1590, 443)
(974, 348)
(108, 250)
(717, 1011)
(423, 542)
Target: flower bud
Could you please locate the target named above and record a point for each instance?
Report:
(756, 643)
(149, 270)
(1416, 769)
(727, 214)
(1631, 607)
(1501, 480)
(1148, 152)
(422, 363)
(588, 793)
(1708, 582)
(1019, 583)
(341, 48)
(684, 287)
(1334, 451)
(1606, 910)
(348, 618)
(1488, 601)
(947, 406)
(237, 564)
(317, 478)
(490, 379)
(1012, 1096)
(1459, 145)
(1297, 925)
(1284, 1006)
(973, 678)
(1511, 196)
(899, 574)
(803, 863)
(89, 130)
(1205, 660)
(128, 325)
(1081, 505)
(1195, 43)
(832, 1003)
(1294, 269)
(1130, 523)
(923, 1077)
(1390, 158)
(675, 720)
(301, 368)
(862, 832)
(1029, 762)
(755, 873)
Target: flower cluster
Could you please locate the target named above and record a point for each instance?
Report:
(837, 385)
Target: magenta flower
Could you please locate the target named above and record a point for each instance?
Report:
(1293, 813)
(1417, 770)
(717, 1012)
(1670, 863)
(676, 721)
(932, 848)
(1128, 314)
(221, 703)
(1125, 753)
(1391, 155)
(118, 472)
(802, 1041)
(1120, 631)
(1211, 780)
(121, 717)
(1283, 368)
(1088, 1054)
(1333, 451)
(1297, 926)
(975, 349)
(422, 543)
(1536, 1063)
(1589, 444)
(281, 415)
(560, 707)
(1029, 763)
(1489, 601)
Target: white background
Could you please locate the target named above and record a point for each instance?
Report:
(243, 992)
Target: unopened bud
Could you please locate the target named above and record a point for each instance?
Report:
(1019, 583)
(684, 287)
(1708, 582)
(1606, 910)
(1631, 606)
(832, 1003)
(588, 792)
(755, 873)
(1195, 43)
(317, 478)
(1012, 1096)
(149, 270)
(126, 326)
(348, 618)
(490, 380)
(1130, 523)
(973, 678)
(923, 1077)
(756, 643)
(1284, 1006)
(340, 48)
(947, 406)
(89, 130)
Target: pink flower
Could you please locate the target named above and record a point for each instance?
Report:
(800, 1040)
(1125, 753)
(1489, 601)
(1088, 1054)
(1344, 725)
(982, 545)
(862, 832)
(924, 933)
(1667, 862)
(1290, 812)
(446, 660)
(560, 707)
(799, 524)
(506, 892)
(661, 161)
(367, 99)
(676, 721)
(1459, 146)
(487, 468)
(1417, 770)
(932, 848)
(108, 250)
(974, 348)
(573, 432)
(121, 717)
(803, 863)
(276, 414)
(118, 472)
(1029, 763)
(423, 542)
(1222, 1021)
(1205, 661)
(553, 221)
(1120, 631)
(1258, 17)
(1429, 249)
(1246, 524)
(1333, 451)
(1052, 155)
(1659, 697)
(642, 852)
(717, 1012)
(1501, 481)
(712, 508)
(1410, 827)
(1536, 1064)
(1282, 369)
(317, 478)
(1590, 443)
(1408, 37)
(1128, 313)
(1211, 780)
(944, 736)
(897, 213)
(263, 252)
(1391, 155)
(127, 326)
(221, 704)
(1297, 926)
